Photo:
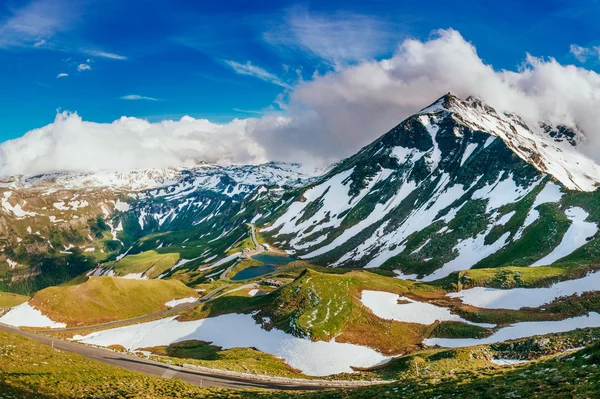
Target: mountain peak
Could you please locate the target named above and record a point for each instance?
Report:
(550, 149)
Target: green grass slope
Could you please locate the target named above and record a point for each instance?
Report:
(105, 299)
(8, 299)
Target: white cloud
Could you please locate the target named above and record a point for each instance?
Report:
(327, 118)
(84, 67)
(71, 144)
(334, 115)
(582, 54)
(35, 22)
(255, 71)
(104, 54)
(338, 39)
(62, 75)
(138, 97)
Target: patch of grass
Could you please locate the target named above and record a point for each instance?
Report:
(105, 299)
(453, 329)
(151, 263)
(8, 299)
(243, 360)
(513, 277)
(243, 244)
(193, 349)
(223, 305)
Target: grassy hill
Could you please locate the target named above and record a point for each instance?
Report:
(8, 299)
(151, 263)
(105, 299)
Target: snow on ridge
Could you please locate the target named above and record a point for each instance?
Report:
(533, 144)
(137, 180)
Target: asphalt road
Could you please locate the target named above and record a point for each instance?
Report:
(134, 363)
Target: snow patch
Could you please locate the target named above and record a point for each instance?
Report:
(386, 306)
(521, 330)
(25, 315)
(175, 302)
(240, 330)
(517, 298)
(576, 236)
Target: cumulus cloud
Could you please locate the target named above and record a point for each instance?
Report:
(71, 144)
(326, 118)
(333, 115)
(138, 97)
(255, 71)
(84, 67)
(62, 75)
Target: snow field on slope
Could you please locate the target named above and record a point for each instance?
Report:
(471, 147)
(576, 236)
(221, 262)
(175, 302)
(336, 201)
(470, 252)
(517, 298)
(378, 213)
(25, 315)
(473, 250)
(521, 330)
(386, 306)
(240, 330)
(417, 220)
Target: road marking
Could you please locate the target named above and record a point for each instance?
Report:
(169, 373)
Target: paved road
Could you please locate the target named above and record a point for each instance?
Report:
(134, 363)
(259, 247)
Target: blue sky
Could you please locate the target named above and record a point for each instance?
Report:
(228, 59)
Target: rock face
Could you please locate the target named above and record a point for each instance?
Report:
(455, 186)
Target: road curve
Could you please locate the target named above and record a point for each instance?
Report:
(146, 366)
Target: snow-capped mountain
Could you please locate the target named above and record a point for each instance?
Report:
(55, 226)
(203, 175)
(458, 185)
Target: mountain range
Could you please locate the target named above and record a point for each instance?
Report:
(456, 186)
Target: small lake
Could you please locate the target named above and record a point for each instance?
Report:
(271, 263)
(254, 271)
(273, 260)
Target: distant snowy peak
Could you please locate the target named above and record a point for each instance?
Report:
(200, 176)
(551, 149)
